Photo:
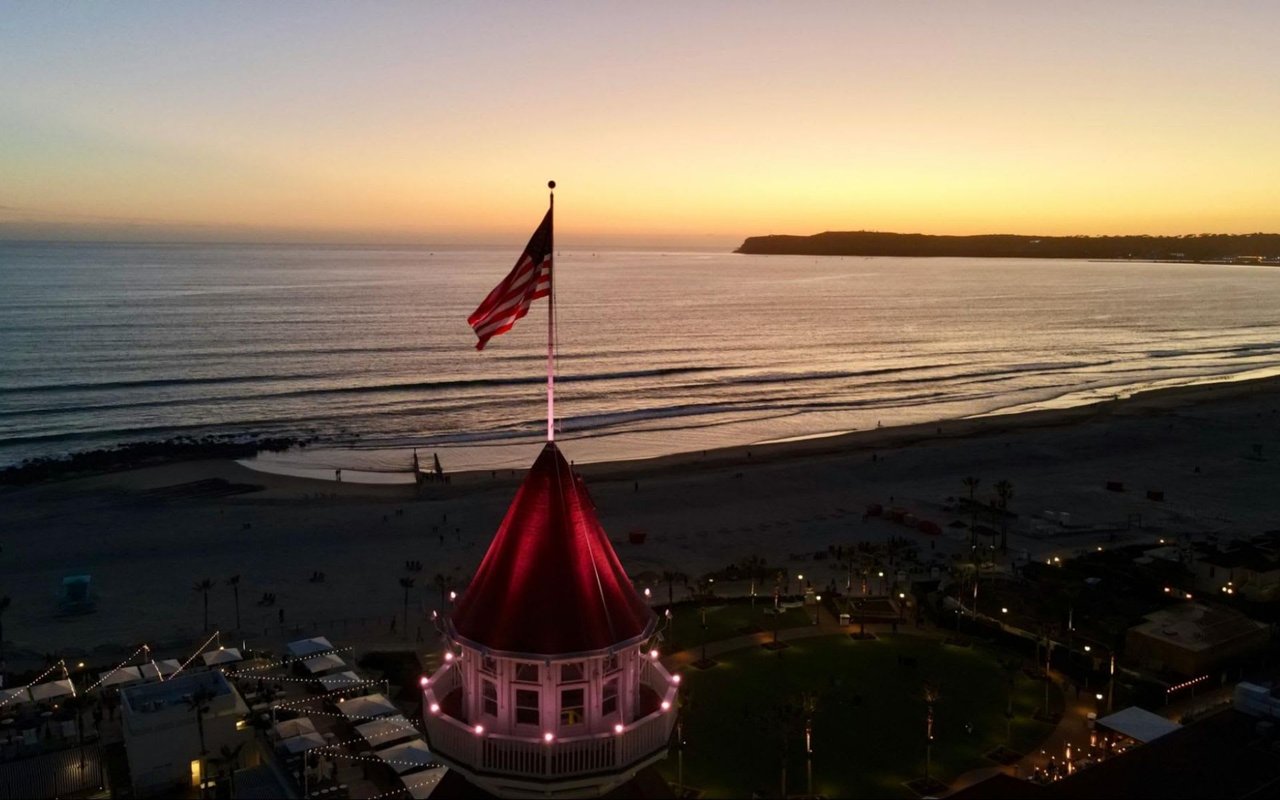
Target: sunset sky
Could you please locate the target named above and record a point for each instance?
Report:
(684, 123)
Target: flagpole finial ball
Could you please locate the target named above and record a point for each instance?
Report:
(551, 184)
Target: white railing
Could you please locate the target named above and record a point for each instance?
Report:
(561, 758)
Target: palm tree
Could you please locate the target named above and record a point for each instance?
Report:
(198, 702)
(406, 584)
(234, 583)
(1004, 491)
(442, 583)
(931, 696)
(77, 704)
(230, 760)
(4, 606)
(204, 586)
(671, 576)
(971, 483)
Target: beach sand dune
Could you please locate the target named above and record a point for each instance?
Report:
(147, 536)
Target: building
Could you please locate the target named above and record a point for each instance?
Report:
(161, 734)
(1250, 568)
(549, 687)
(1192, 639)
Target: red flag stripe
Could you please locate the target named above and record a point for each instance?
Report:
(528, 280)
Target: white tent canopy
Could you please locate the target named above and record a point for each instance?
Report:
(422, 784)
(306, 647)
(120, 677)
(388, 730)
(1138, 723)
(223, 655)
(152, 670)
(293, 727)
(52, 689)
(340, 680)
(369, 706)
(325, 663)
(407, 757)
(301, 744)
(12, 698)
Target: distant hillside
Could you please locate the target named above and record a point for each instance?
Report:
(1195, 247)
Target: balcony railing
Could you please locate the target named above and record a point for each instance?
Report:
(566, 758)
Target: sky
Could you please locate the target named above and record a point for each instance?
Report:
(692, 123)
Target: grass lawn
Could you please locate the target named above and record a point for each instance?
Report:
(726, 622)
(868, 722)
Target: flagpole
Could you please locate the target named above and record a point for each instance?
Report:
(551, 323)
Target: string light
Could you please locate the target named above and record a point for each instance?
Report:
(335, 692)
(37, 679)
(119, 667)
(198, 651)
(284, 661)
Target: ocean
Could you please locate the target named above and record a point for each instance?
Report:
(367, 349)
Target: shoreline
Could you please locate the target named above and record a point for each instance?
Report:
(146, 534)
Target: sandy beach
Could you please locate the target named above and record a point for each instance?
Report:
(1213, 450)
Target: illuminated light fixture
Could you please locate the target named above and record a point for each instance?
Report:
(902, 595)
(1087, 648)
(654, 653)
(819, 598)
(1098, 695)
(1167, 590)
(675, 678)
(435, 708)
(666, 705)
(1004, 610)
(453, 596)
(479, 729)
(1188, 595)
(448, 656)
(646, 591)
(1099, 548)
(424, 681)
(881, 574)
(548, 737)
(617, 728)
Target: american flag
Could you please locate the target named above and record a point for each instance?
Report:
(528, 280)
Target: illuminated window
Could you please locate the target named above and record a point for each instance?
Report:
(573, 704)
(489, 698)
(527, 707)
(571, 673)
(195, 772)
(489, 665)
(609, 703)
(527, 673)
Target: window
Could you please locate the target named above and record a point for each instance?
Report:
(489, 698)
(573, 704)
(527, 673)
(571, 673)
(527, 707)
(609, 704)
(489, 665)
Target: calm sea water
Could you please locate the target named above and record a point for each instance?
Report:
(368, 348)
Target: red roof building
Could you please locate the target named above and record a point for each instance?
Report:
(548, 687)
(551, 583)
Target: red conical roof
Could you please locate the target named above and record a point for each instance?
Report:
(550, 583)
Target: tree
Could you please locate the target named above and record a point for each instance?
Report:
(234, 583)
(406, 584)
(931, 695)
(442, 583)
(204, 586)
(4, 606)
(229, 760)
(1004, 491)
(198, 702)
(671, 576)
(77, 704)
(971, 483)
